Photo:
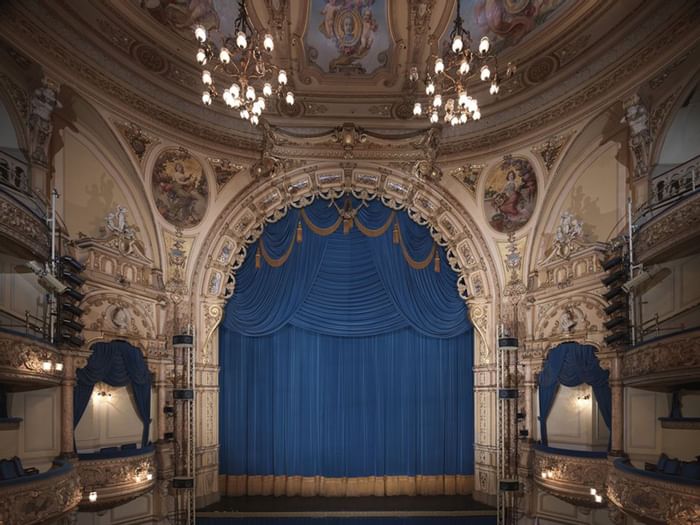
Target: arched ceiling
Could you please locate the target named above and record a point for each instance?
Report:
(570, 54)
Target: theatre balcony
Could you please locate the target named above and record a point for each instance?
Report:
(656, 497)
(669, 226)
(29, 497)
(23, 229)
(575, 476)
(664, 363)
(28, 363)
(115, 475)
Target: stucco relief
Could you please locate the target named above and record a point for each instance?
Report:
(572, 315)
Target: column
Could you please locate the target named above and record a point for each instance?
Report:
(160, 393)
(67, 386)
(618, 408)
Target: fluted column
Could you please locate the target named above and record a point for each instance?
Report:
(67, 386)
(529, 406)
(160, 393)
(618, 408)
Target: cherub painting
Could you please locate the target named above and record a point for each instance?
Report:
(510, 195)
(180, 188)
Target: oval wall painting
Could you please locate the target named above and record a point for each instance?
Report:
(510, 195)
(180, 188)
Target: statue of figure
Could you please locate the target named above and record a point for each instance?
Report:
(568, 235)
(637, 118)
(41, 107)
(567, 321)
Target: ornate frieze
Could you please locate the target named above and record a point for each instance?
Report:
(116, 480)
(675, 358)
(570, 477)
(27, 362)
(653, 499)
(23, 227)
(41, 500)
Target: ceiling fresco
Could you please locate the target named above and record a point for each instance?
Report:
(347, 36)
(505, 22)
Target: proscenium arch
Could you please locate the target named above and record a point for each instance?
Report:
(267, 200)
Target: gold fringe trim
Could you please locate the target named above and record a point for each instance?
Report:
(379, 231)
(275, 263)
(343, 487)
(324, 232)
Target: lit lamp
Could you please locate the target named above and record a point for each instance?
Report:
(92, 497)
(46, 366)
(447, 77)
(246, 62)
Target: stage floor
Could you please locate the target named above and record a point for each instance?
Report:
(390, 510)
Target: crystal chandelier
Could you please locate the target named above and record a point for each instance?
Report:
(446, 78)
(244, 59)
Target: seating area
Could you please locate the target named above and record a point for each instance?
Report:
(129, 449)
(676, 468)
(12, 469)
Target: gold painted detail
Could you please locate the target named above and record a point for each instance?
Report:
(22, 361)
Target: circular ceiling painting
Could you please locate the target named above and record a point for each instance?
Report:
(510, 195)
(180, 188)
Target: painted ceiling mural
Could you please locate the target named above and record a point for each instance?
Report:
(180, 188)
(505, 22)
(347, 36)
(511, 194)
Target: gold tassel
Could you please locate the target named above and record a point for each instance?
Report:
(395, 236)
(257, 258)
(299, 232)
(437, 261)
(347, 226)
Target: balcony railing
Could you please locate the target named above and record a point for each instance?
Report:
(570, 474)
(652, 497)
(115, 478)
(40, 498)
(27, 363)
(671, 186)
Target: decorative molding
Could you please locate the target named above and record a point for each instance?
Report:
(551, 149)
(138, 141)
(469, 175)
(649, 498)
(23, 227)
(570, 477)
(116, 480)
(224, 170)
(22, 359)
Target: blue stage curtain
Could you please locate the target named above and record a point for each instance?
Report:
(340, 358)
(572, 364)
(116, 363)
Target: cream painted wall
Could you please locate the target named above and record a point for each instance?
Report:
(111, 420)
(576, 424)
(20, 292)
(596, 195)
(37, 439)
(89, 193)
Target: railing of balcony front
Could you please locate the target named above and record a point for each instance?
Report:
(27, 324)
(15, 180)
(669, 187)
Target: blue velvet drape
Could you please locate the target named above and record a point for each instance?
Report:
(345, 361)
(116, 363)
(572, 364)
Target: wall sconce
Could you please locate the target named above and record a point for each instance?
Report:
(583, 400)
(59, 367)
(102, 394)
(92, 497)
(598, 498)
(46, 366)
(593, 491)
(149, 476)
(547, 474)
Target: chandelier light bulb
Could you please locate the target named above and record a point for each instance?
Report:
(437, 100)
(254, 120)
(228, 98)
(235, 90)
(201, 56)
(439, 66)
(250, 93)
(244, 114)
(290, 98)
(268, 43)
(261, 102)
(484, 45)
(430, 89)
(224, 55)
(434, 117)
(267, 89)
(257, 110)
(476, 115)
(206, 78)
(237, 102)
(457, 44)
(463, 118)
(463, 99)
(417, 110)
(206, 98)
(241, 40)
(464, 67)
(200, 34)
(454, 121)
(282, 77)
(485, 73)
(494, 88)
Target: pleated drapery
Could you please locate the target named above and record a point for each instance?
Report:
(345, 369)
(572, 364)
(116, 363)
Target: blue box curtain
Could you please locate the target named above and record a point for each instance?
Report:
(346, 360)
(116, 363)
(573, 364)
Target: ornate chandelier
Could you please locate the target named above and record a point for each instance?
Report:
(446, 78)
(245, 59)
